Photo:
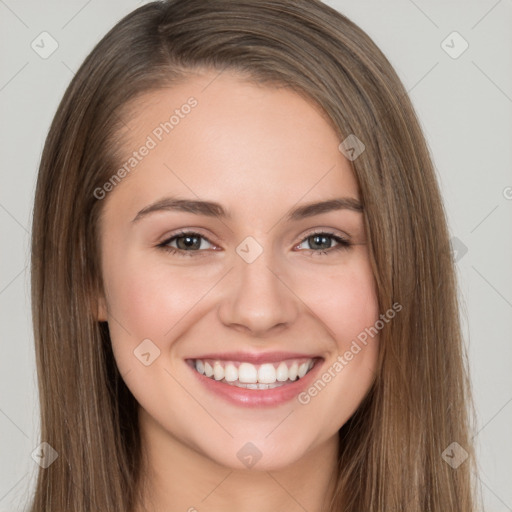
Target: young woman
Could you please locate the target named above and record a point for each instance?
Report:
(243, 292)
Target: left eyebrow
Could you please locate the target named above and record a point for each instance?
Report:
(311, 209)
(213, 209)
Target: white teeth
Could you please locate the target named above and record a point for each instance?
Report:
(282, 372)
(303, 368)
(218, 371)
(243, 374)
(247, 373)
(231, 373)
(293, 371)
(267, 374)
(200, 366)
(208, 370)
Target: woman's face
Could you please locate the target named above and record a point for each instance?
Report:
(215, 260)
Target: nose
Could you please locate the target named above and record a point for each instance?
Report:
(257, 298)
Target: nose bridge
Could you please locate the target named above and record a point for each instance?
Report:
(256, 298)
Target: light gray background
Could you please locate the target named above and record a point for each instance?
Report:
(465, 107)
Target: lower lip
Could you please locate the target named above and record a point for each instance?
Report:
(258, 398)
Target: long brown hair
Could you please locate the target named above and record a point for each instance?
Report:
(390, 456)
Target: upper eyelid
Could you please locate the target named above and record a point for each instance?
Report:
(184, 232)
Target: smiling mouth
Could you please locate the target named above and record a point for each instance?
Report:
(252, 376)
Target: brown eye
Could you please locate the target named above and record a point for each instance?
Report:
(186, 242)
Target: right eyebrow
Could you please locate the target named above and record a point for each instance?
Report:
(208, 208)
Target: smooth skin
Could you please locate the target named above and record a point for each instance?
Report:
(259, 151)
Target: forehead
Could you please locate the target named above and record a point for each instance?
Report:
(225, 138)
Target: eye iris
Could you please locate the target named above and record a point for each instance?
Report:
(319, 240)
(188, 242)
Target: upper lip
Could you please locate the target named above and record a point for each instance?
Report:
(256, 358)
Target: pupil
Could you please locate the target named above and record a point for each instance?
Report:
(321, 240)
(188, 242)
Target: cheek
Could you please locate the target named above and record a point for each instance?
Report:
(148, 300)
(345, 300)
(346, 303)
(156, 303)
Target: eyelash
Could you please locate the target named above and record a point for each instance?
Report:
(343, 243)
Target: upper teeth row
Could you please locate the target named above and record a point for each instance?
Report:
(248, 373)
